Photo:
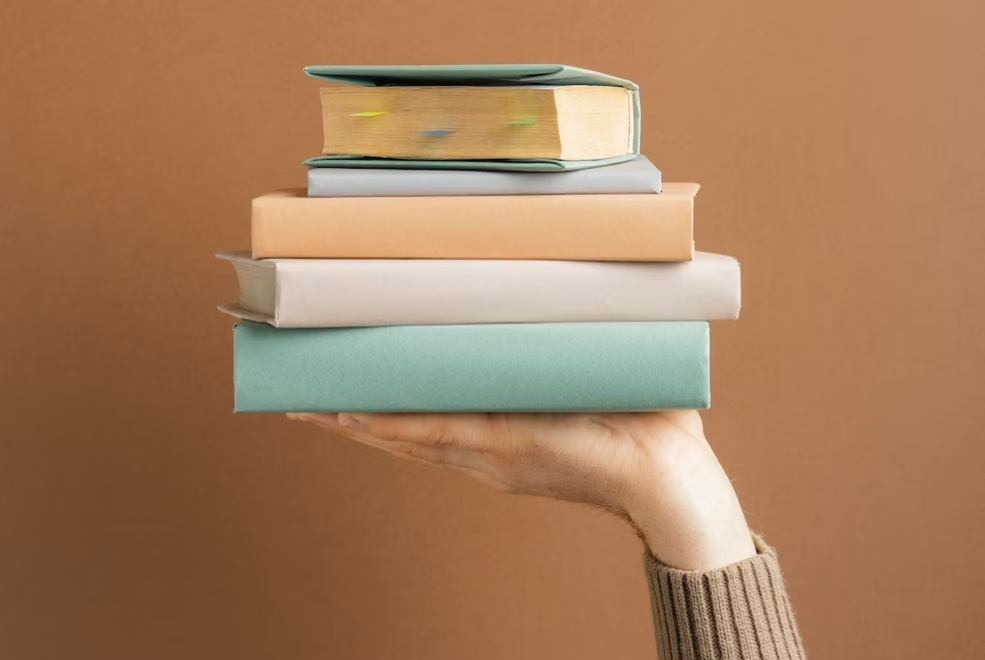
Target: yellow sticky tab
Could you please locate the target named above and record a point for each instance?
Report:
(370, 114)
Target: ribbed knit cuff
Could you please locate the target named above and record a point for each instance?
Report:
(740, 612)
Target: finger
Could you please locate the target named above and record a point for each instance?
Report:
(449, 458)
(466, 431)
(435, 454)
(398, 449)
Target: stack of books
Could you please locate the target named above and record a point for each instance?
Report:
(477, 238)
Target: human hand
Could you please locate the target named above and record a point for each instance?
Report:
(654, 469)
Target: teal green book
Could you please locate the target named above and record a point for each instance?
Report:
(509, 367)
(473, 75)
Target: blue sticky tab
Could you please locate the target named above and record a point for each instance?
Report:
(435, 132)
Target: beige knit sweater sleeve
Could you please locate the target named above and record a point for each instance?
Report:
(740, 612)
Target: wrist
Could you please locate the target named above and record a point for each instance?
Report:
(684, 507)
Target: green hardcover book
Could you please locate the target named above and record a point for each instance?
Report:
(466, 121)
(545, 367)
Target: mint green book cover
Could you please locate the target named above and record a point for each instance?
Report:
(544, 367)
(473, 75)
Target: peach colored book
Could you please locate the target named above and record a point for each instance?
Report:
(654, 227)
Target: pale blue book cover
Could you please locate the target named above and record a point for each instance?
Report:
(634, 177)
(556, 367)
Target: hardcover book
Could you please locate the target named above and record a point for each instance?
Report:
(637, 176)
(574, 128)
(317, 293)
(575, 227)
(511, 367)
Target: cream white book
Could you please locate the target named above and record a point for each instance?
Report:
(323, 293)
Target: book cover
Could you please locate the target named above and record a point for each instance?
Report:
(317, 293)
(637, 176)
(575, 227)
(552, 367)
(475, 75)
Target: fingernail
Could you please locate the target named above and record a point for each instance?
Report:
(297, 417)
(350, 422)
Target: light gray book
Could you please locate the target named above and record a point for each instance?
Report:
(336, 293)
(632, 177)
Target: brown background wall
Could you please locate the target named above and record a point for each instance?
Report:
(841, 146)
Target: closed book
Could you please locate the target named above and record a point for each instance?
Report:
(436, 144)
(637, 176)
(288, 223)
(518, 367)
(318, 293)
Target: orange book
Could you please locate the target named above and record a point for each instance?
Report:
(654, 227)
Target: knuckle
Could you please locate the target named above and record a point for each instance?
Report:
(500, 437)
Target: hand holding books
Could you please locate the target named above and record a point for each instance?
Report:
(656, 470)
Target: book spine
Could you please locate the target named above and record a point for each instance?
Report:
(344, 182)
(315, 293)
(472, 368)
(577, 227)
